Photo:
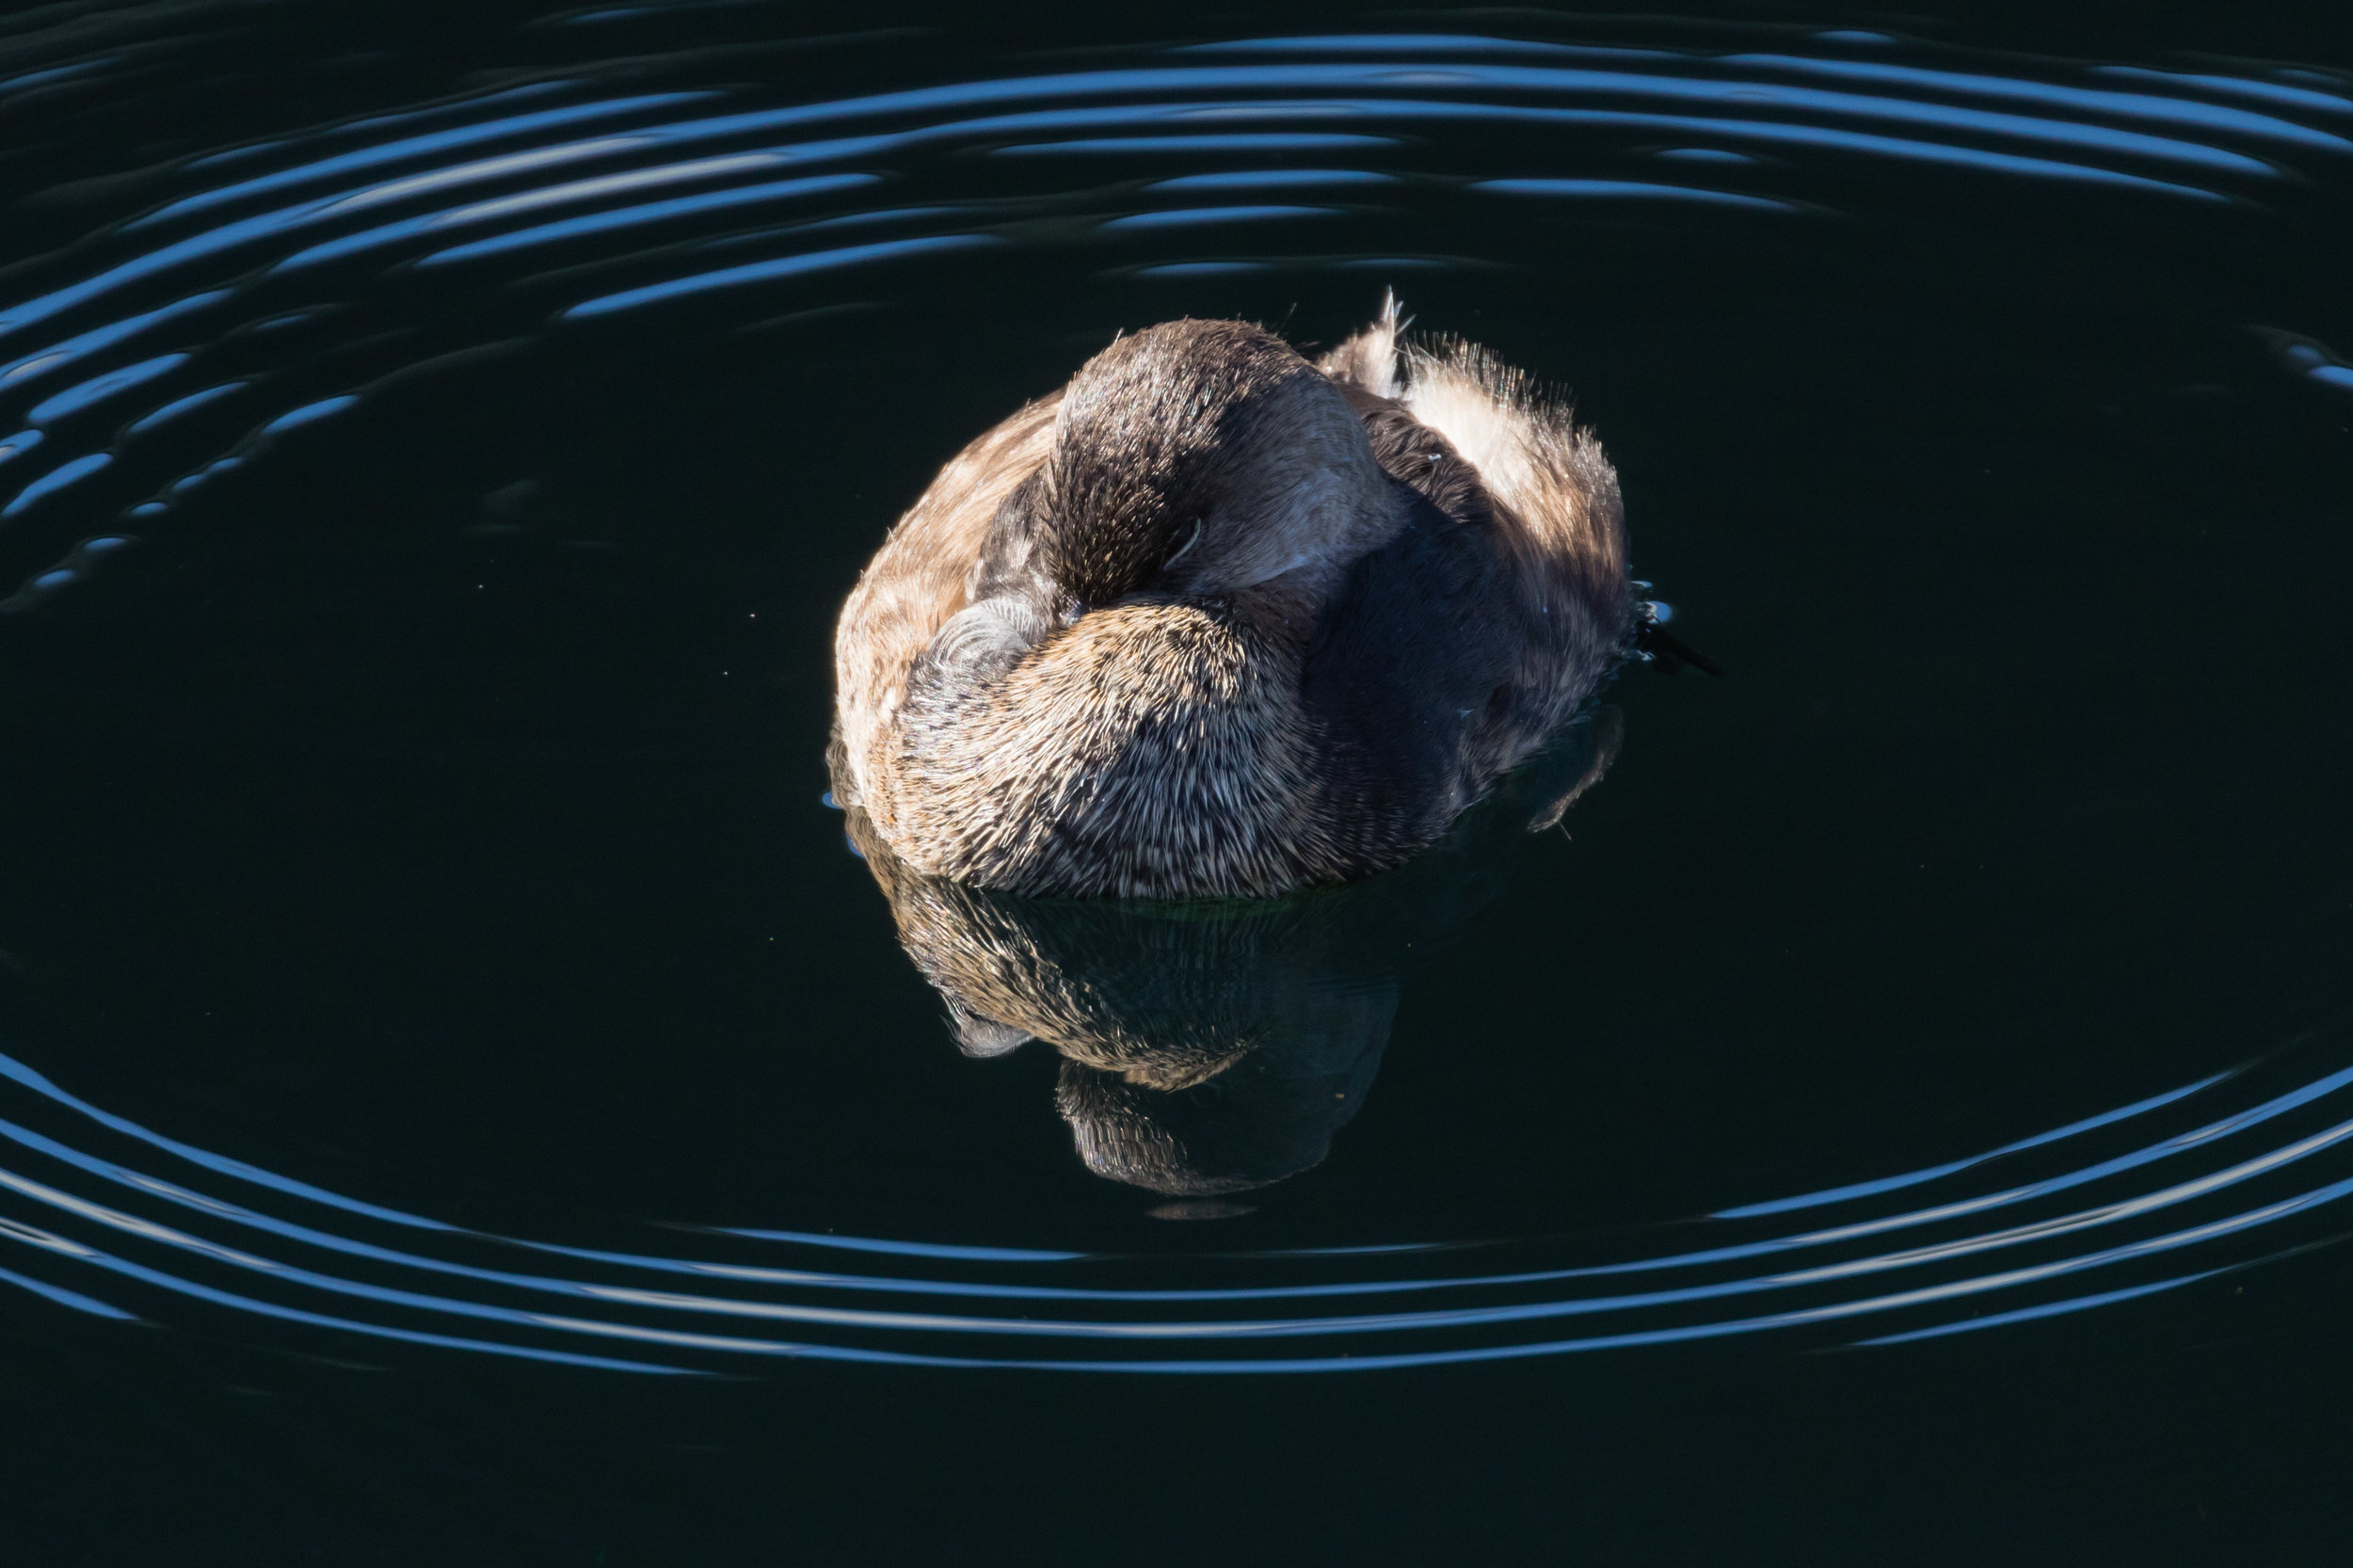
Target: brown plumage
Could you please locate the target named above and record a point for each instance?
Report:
(1214, 620)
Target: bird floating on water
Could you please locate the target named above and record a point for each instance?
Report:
(1218, 620)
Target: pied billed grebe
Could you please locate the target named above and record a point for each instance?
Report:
(1216, 620)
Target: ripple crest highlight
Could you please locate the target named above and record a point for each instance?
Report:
(114, 1219)
(562, 214)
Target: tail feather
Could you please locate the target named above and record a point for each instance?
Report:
(1369, 360)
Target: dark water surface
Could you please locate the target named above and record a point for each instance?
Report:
(463, 1102)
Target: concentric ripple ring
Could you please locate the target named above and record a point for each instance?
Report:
(187, 339)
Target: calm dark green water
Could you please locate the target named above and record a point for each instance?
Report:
(464, 1102)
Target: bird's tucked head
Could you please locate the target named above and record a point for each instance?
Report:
(1202, 456)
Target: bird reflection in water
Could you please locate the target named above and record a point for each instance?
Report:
(1213, 1046)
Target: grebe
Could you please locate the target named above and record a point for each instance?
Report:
(1217, 620)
